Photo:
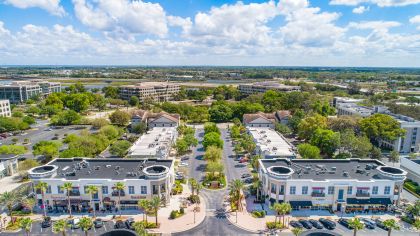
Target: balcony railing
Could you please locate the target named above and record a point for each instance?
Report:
(359, 194)
(317, 194)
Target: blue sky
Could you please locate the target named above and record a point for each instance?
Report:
(211, 32)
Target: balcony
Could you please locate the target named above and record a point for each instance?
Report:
(115, 194)
(318, 194)
(362, 194)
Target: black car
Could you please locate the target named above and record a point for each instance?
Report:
(129, 223)
(345, 223)
(327, 223)
(380, 224)
(46, 223)
(316, 224)
(120, 225)
(98, 223)
(306, 224)
(296, 224)
(370, 224)
(246, 175)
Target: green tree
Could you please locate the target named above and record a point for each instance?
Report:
(211, 127)
(181, 146)
(140, 229)
(144, 204)
(110, 92)
(134, 101)
(120, 148)
(391, 224)
(120, 118)
(190, 140)
(214, 166)
(414, 209)
(247, 143)
(29, 203)
(76, 88)
(213, 153)
(394, 156)
(33, 110)
(380, 127)
(68, 187)
(155, 204)
(139, 128)
(295, 120)
(26, 225)
(49, 149)
(110, 131)
(359, 146)
(42, 186)
(235, 191)
(119, 187)
(220, 112)
(92, 190)
(376, 153)
(99, 102)
(193, 184)
(356, 224)
(212, 139)
(77, 102)
(308, 125)
(99, 123)
(344, 123)
(60, 226)
(308, 151)
(297, 231)
(8, 199)
(283, 129)
(13, 149)
(54, 100)
(85, 224)
(68, 117)
(29, 120)
(327, 141)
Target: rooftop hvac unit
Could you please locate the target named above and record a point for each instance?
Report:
(346, 174)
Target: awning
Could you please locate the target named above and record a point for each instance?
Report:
(296, 204)
(369, 201)
(129, 202)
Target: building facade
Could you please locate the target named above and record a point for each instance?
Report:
(157, 91)
(8, 165)
(5, 108)
(412, 166)
(142, 179)
(261, 119)
(155, 143)
(338, 185)
(262, 87)
(271, 144)
(151, 119)
(19, 92)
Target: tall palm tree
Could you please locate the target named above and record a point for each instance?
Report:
(8, 199)
(415, 209)
(29, 203)
(155, 205)
(92, 190)
(257, 185)
(68, 186)
(297, 231)
(26, 225)
(144, 204)
(277, 207)
(286, 208)
(140, 228)
(236, 187)
(60, 226)
(193, 184)
(85, 224)
(42, 186)
(119, 186)
(356, 224)
(391, 224)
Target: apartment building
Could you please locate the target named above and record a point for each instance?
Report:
(5, 108)
(20, 91)
(262, 87)
(161, 119)
(412, 166)
(410, 142)
(332, 184)
(271, 144)
(8, 165)
(261, 119)
(155, 143)
(341, 100)
(142, 178)
(157, 91)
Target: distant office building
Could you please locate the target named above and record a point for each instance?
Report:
(151, 119)
(341, 100)
(8, 165)
(155, 143)
(261, 119)
(20, 91)
(410, 142)
(5, 108)
(412, 166)
(262, 87)
(270, 144)
(142, 179)
(157, 91)
(331, 184)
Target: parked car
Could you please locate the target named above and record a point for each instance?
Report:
(129, 223)
(345, 223)
(243, 160)
(179, 177)
(46, 223)
(380, 224)
(370, 224)
(183, 164)
(248, 180)
(316, 224)
(296, 224)
(120, 225)
(306, 224)
(246, 175)
(329, 224)
(98, 223)
(185, 158)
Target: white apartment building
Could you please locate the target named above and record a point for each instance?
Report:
(157, 91)
(20, 91)
(335, 184)
(155, 143)
(262, 87)
(142, 178)
(341, 100)
(271, 144)
(5, 108)
(410, 142)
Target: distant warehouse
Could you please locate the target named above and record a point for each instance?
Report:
(157, 91)
(262, 87)
(21, 91)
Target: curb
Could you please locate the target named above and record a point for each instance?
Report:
(237, 225)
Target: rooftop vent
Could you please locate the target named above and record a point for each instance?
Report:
(108, 166)
(346, 174)
(333, 168)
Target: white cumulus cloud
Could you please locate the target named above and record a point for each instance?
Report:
(416, 21)
(52, 6)
(380, 3)
(360, 10)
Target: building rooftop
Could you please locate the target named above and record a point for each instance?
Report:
(116, 169)
(272, 84)
(155, 143)
(5, 157)
(151, 84)
(324, 169)
(270, 142)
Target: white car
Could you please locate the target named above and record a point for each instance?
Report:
(183, 164)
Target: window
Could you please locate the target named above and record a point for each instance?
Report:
(104, 189)
(48, 190)
(387, 190)
(349, 190)
(143, 189)
(292, 190)
(331, 190)
(273, 188)
(59, 189)
(304, 190)
(375, 190)
(130, 189)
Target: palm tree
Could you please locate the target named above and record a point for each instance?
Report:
(29, 203)
(85, 224)
(140, 228)
(257, 185)
(286, 208)
(92, 190)
(8, 199)
(278, 209)
(155, 205)
(236, 187)
(26, 224)
(68, 186)
(415, 209)
(356, 224)
(144, 204)
(119, 186)
(42, 186)
(297, 231)
(391, 224)
(193, 184)
(198, 187)
(60, 226)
